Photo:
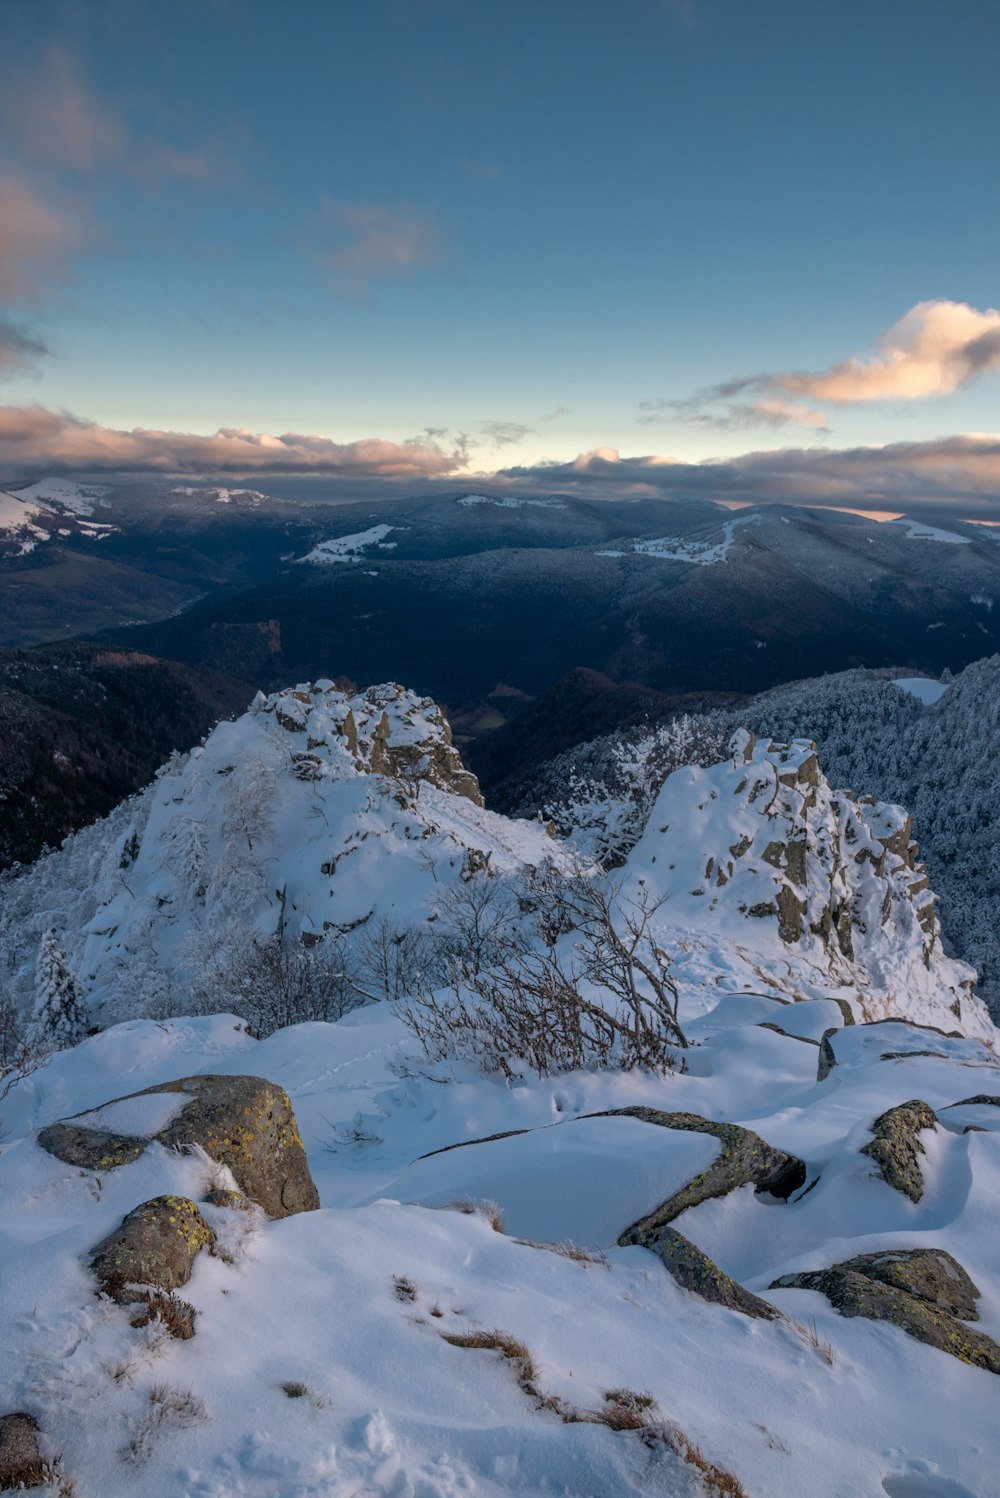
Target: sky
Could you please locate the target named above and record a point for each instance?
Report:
(745, 249)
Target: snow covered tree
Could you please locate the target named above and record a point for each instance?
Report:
(60, 1017)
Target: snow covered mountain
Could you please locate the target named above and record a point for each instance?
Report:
(770, 1268)
(317, 813)
(314, 812)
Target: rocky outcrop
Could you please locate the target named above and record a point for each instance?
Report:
(744, 1159)
(909, 1289)
(246, 1123)
(151, 1254)
(896, 1148)
(698, 1273)
(21, 1463)
(386, 730)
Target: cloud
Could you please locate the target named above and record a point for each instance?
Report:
(505, 433)
(734, 414)
(53, 118)
(936, 349)
(19, 348)
(360, 244)
(36, 242)
(36, 439)
(964, 467)
(556, 413)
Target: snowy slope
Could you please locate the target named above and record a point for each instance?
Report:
(314, 810)
(350, 548)
(392, 1409)
(19, 528)
(66, 494)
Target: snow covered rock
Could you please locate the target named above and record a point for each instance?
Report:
(762, 852)
(896, 1147)
(244, 1123)
(860, 1287)
(155, 1247)
(744, 1159)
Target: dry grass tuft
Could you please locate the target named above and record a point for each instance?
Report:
(717, 1481)
(175, 1315)
(511, 1348)
(294, 1389)
(491, 1211)
(404, 1288)
(569, 1250)
(168, 1408)
(809, 1332)
(623, 1409)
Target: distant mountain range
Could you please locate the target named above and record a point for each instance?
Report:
(537, 622)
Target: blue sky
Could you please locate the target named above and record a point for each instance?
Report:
(518, 232)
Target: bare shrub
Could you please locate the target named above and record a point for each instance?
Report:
(603, 999)
(391, 961)
(277, 982)
(168, 1408)
(21, 1052)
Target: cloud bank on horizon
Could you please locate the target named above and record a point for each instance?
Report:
(965, 468)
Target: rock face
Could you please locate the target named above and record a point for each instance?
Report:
(244, 1122)
(21, 1464)
(387, 730)
(763, 840)
(744, 1159)
(155, 1246)
(701, 1275)
(896, 1148)
(912, 1289)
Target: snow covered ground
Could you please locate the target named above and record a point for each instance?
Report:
(704, 552)
(924, 688)
(66, 494)
(350, 548)
(389, 1406)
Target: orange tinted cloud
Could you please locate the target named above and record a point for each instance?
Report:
(35, 438)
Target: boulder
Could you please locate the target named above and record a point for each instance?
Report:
(21, 1464)
(246, 1123)
(152, 1251)
(701, 1275)
(896, 1148)
(930, 1274)
(854, 1293)
(744, 1159)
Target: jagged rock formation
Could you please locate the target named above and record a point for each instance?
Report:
(762, 847)
(386, 730)
(244, 1123)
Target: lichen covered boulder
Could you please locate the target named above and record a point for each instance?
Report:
(930, 1274)
(856, 1293)
(246, 1123)
(153, 1249)
(896, 1147)
(696, 1272)
(744, 1159)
